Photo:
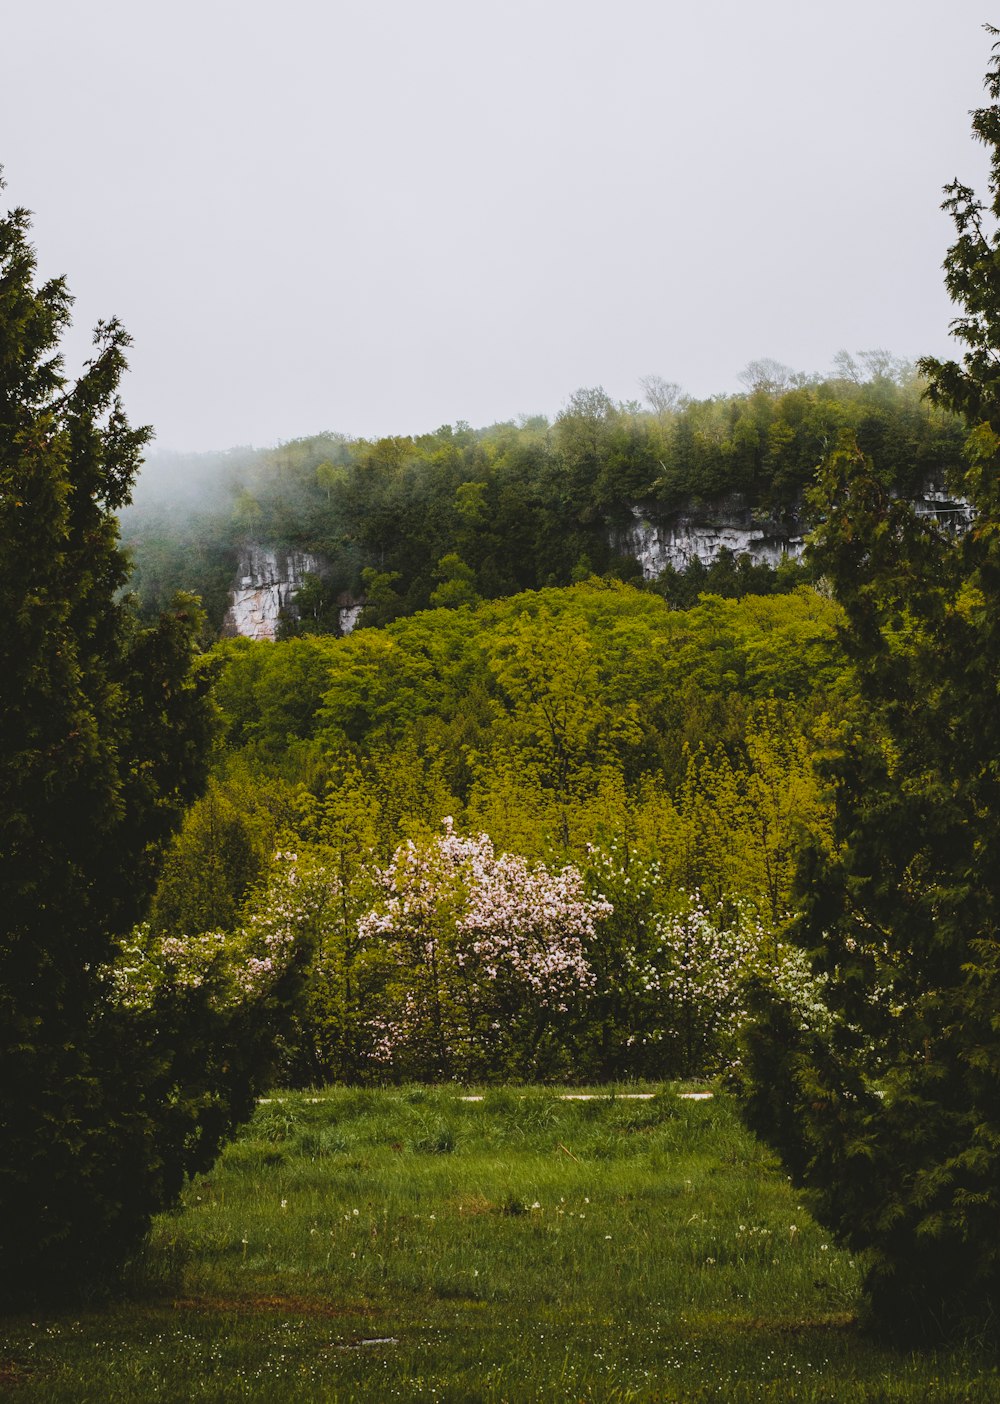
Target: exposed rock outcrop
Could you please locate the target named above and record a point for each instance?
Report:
(268, 581)
(678, 538)
(658, 539)
(270, 577)
(348, 614)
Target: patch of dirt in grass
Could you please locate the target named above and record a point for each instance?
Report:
(268, 1305)
(475, 1204)
(11, 1373)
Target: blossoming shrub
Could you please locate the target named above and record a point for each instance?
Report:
(205, 1014)
(696, 978)
(280, 930)
(482, 958)
(674, 971)
(455, 961)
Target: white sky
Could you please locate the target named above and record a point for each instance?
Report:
(378, 216)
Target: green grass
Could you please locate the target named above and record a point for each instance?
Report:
(405, 1245)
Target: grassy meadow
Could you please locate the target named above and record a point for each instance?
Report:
(409, 1245)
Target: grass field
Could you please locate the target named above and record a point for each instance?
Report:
(407, 1245)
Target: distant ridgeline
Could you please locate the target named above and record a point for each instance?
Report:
(686, 497)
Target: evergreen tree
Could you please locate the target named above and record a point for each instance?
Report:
(104, 740)
(887, 1111)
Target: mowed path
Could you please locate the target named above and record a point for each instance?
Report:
(560, 1096)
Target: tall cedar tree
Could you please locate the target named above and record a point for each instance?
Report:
(105, 731)
(889, 1115)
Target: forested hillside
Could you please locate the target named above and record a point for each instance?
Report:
(543, 815)
(666, 755)
(459, 515)
(523, 710)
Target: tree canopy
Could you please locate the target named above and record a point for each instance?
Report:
(460, 514)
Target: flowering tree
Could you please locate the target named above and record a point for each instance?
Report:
(696, 977)
(483, 956)
(674, 972)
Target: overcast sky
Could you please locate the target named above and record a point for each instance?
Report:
(378, 216)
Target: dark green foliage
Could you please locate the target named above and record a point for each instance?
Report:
(181, 551)
(105, 739)
(730, 576)
(890, 1116)
(222, 850)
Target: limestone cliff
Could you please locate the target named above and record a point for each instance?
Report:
(657, 539)
(270, 577)
(265, 589)
(702, 533)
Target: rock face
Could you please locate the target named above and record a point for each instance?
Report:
(955, 513)
(269, 577)
(659, 539)
(348, 615)
(702, 534)
(268, 581)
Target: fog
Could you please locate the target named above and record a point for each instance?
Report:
(375, 217)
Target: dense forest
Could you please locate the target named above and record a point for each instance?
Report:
(665, 754)
(459, 515)
(517, 681)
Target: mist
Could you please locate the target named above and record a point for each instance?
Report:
(383, 217)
